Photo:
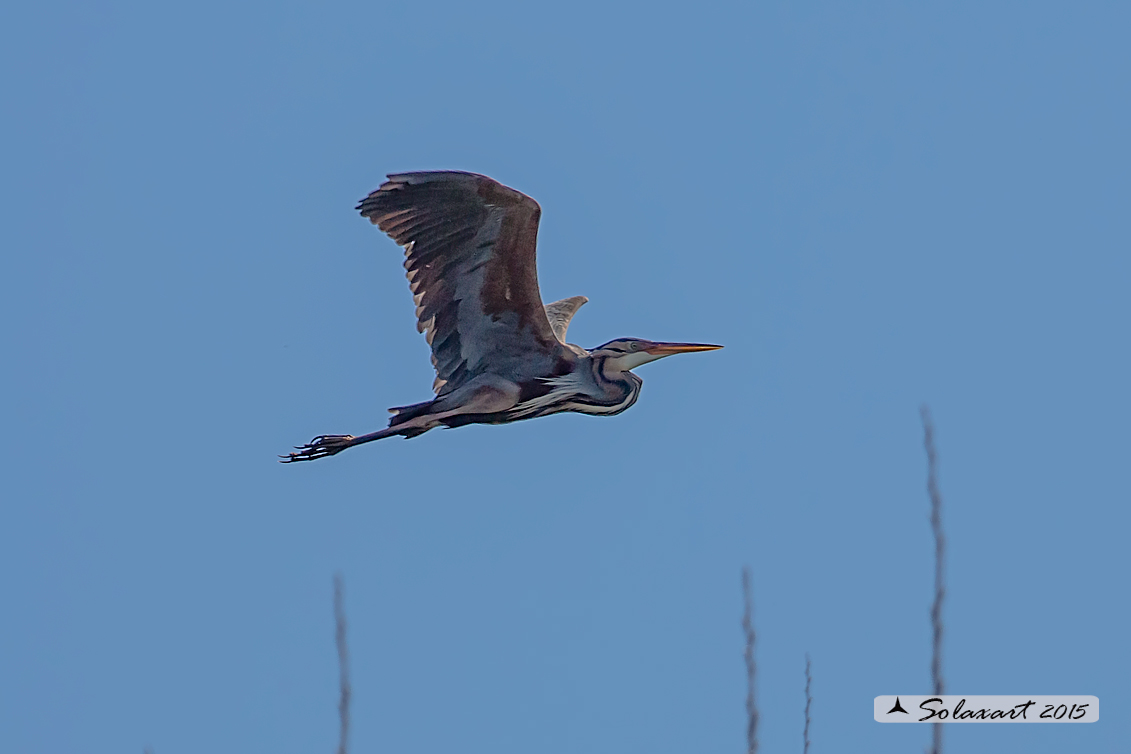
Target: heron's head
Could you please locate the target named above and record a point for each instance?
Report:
(624, 354)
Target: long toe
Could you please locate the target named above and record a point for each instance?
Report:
(319, 447)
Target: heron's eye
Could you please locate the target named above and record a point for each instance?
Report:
(634, 346)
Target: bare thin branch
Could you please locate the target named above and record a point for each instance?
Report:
(940, 554)
(343, 665)
(748, 629)
(808, 701)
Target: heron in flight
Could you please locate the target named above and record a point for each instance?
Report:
(500, 354)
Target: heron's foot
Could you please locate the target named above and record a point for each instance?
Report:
(319, 447)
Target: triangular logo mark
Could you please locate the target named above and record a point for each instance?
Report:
(898, 708)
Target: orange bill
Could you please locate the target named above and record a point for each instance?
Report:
(666, 349)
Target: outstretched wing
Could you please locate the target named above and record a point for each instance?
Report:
(561, 312)
(470, 258)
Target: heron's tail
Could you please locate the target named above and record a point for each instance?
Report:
(403, 414)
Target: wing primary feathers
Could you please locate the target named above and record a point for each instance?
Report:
(470, 259)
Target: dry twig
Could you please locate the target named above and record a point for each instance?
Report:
(940, 553)
(748, 628)
(808, 701)
(343, 665)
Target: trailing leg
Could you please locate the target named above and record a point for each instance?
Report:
(485, 395)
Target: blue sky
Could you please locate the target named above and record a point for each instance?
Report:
(872, 206)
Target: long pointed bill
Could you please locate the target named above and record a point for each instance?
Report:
(667, 349)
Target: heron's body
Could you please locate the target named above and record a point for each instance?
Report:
(500, 355)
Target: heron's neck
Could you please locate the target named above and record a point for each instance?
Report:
(606, 372)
